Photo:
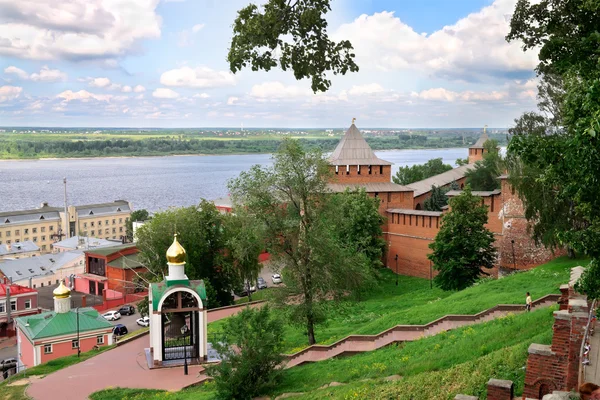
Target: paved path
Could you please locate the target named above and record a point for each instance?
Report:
(124, 366)
(592, 371)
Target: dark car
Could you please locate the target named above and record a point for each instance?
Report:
(127, 310)
(8, 363)
(120, 330)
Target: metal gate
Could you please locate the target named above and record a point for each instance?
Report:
(180, 335)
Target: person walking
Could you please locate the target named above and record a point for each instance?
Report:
(528, 302)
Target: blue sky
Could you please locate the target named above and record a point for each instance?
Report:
(151, 63)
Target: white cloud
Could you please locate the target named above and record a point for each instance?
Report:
(48, 75)
(9, 92)
(139, 97)
(197, 28)
(200, 77)
(277, 90)
(126, 89)
(441, 94)
(361, 90)
(75, 29)
(139, 89)
(164, 93)
(474, 45)
(232, 100)
(201, 96)
(45, 75)
(99, 82)
(82, 95)
(16, 71)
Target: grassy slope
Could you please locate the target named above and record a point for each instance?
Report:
(413, 302)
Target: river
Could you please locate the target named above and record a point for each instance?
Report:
(153, 183)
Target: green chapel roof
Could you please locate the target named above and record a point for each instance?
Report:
(51, 323)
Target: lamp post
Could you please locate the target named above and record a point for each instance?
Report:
(430, 275)
(184, 330)
(512, 243)
(396, 258)
(78, 344)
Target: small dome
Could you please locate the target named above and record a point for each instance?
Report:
(61, 292)
(176, 253)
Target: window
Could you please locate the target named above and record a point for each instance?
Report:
(93, 233)
(370, 170)
(17, 232)
(17, 240)
(13, 305)
(114, 237)
(337, 169)
(114, 230)
(26, 239)
(381, 170)
(99, 223)
(34, 285)
(47, 349)
(51, 228)
(2, 307)
(376, 194)
(99, 339)
(8, 242)
(114, 221)
(389, 197)
(347, 170)
(358, 169)
(43, 229)
(85, 224)
(107, 231)
(92, 223)
(121, 229)
(43, 238)
(26, 231)
(7, 233)
(42, 284)
(120, 220)
(57, 281)
(27, 304)
(35, 238)
(49, 283)
(34, 230)
(74, 343)
(106, 222)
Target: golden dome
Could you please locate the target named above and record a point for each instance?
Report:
(61, 292)
(176, 253)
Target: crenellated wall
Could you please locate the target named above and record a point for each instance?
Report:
(361, 173)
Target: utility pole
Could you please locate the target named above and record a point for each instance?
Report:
(396, 258)
(78, 344)
(67, 235)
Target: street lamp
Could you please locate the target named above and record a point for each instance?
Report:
(430, 275)
(78, 344)
(396, 258)
(512, 243)
(184, 330)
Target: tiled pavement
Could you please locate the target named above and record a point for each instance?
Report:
(592, 371)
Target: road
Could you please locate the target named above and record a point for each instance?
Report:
(129, 321)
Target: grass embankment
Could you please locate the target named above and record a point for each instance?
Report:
(18, 392)
(436, 367)
(413, 302)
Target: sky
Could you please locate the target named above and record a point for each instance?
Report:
(162, 63)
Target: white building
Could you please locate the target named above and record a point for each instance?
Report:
(45, 270)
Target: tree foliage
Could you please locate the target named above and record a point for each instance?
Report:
(291, 34)
(438, 198)
(251, 368)
(201, 232)
(137, 215)
(415, 173)
(562, 163)
(302, 231)
(485, 176)
(463, 248)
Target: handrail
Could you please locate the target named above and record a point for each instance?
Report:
(582, 366)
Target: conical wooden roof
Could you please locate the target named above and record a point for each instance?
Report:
(353, 149)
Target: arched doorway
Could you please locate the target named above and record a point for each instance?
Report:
(418, 207)
(180, 326)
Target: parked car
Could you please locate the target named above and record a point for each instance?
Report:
(120, 330)
(243, 292)
(111, 315)
(127, 310)
(144, 321)
(261, 284)
(8, 363)
(276, 278)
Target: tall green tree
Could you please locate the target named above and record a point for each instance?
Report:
(463, 248)
(201, 232)
(291, 34)
(415, 173)
(485, 176)
(250, 345)
(565, 161)
(437, 200)
(291, 200)
(137, 215)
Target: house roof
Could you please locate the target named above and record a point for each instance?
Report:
(353, 149)
(18, 248)
(51, 323)
(223, 202)
(445, 178)
(126, 262)
(105, 251)
(103, 208)
(408, 211)
(480, 193)
(46, 264)
(27, 216)
(14, 289)
(481, 141)
(369, 187)
(82, 242)
(159, 289)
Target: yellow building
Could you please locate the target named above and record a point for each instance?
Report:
(46, 225)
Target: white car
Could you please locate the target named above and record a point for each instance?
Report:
(144, 321)
(276, 278)
(111, 315)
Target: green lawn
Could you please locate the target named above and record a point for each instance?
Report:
(413, 302)
(436, 367)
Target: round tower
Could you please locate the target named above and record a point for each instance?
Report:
(176, 262)
(62, 298)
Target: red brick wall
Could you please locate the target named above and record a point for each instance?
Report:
(364, 177)
(475, 155)
(500, 390)
(421, 199)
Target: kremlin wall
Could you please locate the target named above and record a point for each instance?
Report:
(408, 230)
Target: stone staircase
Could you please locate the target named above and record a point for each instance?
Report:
(404, 333)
